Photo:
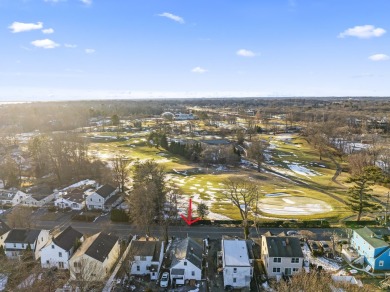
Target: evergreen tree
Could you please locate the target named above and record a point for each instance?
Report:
(360, 192)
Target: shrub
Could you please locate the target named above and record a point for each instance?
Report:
(118, 215)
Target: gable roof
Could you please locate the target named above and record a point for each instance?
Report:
(146, 248)
(22, 236)
(283, 246)
(4, 228)
(373, 236)
(67, 238)
(101, 246)
(190, 250)
(105, 190)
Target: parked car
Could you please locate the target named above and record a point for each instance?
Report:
(164, 281)
(292, 232)
(314, 246)
(324, 246)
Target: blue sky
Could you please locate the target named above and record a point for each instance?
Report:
(60, 49)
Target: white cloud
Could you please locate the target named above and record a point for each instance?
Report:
(71, 46)
(87, 2)
(199, 70)
(45, 44)
(21, 26)
(90, 51)
(245, 53)
(363, 32)
(379, 57)
(172, 16)
(48, 30)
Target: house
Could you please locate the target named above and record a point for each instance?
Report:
(236, 264)
(58, 250)
(103, 198)
(73, 199)
(281, 255)
(215, 142)
(4, 230)
(183, 117)
(186, 265)
(12, 197)
(20, 240)
(95, 258)
(147, 257)
(372, 245)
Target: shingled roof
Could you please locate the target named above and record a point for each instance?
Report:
(146, 248)
(283, 246)
(105, 190)
(4, 228)
(67, 238)
(190, 250)
(22, 236)
(101, 246)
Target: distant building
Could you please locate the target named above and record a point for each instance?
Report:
(4, 230)
(12, 197)
(183, 117)
(282, 256)
(237, 267)
(215, 142)
(103, 198)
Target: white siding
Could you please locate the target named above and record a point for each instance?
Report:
(95, 201)
(191, 272)
(53, 255)
(238, 277)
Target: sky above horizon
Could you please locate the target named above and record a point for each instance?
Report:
(82, 49)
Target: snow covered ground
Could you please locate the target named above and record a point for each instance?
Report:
(319, 261)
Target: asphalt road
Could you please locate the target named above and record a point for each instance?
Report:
(123, 230)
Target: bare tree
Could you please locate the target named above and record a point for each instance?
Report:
(20, 217)
(243, 194)
(256, 152)
(121, 166)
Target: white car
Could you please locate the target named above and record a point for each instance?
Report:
(292, 232)
(164, 280)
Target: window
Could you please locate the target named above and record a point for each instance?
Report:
(142, 258)
(277, 260)
(381, 263)
(22, 245)
(60, 254)
(235, 270)
(234, 280)
(138, 268)
(61, 265)
(185, 263)
(47, 262)
(52, 246)
(294, 260)
(295, 269)
(276, 270)
(193, 273)
(99, 200)
(14, 244)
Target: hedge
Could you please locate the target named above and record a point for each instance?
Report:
(118, 215)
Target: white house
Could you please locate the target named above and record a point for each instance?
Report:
(147, 257)
(12, 197)
(281, 255)
(20, 240)
(37, 200)
(58, 250)
(237, 266)
(74, 199)
(4, 230)
(95, 258)
(103, 198)
(186, 262)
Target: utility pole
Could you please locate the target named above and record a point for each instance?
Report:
(387, 206)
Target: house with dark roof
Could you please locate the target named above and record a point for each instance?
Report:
(104, 198)
(20, 240)
(282, 256)
(59, 249)
(146, 257)
(4, 230)
(186, 261)
(372, 244)
(95, 258)
(236, 264)
(12, 197)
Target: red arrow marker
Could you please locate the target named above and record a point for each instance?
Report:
(188, 219)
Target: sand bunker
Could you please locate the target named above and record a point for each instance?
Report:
(280, 205)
